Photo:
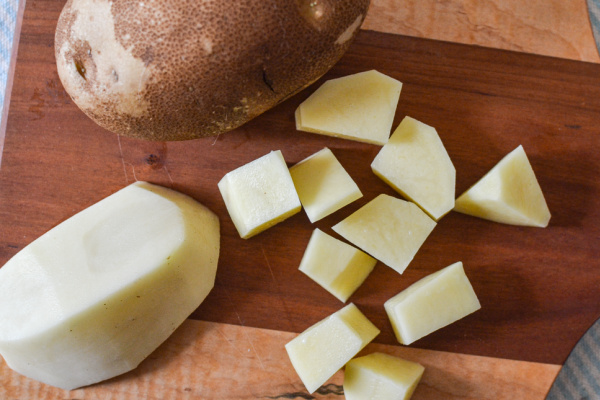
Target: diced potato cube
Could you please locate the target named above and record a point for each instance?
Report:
(95, 295)
(324, 348)
(509, 193)
(359, 107)
(390, 229)
(336, 266)
(323, 185)
(379, 376)
(415, 163)
(431, 303)
(259, 194)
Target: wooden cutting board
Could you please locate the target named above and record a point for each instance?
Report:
(538, 287)
(207, 360)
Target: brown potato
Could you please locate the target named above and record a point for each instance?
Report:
(176, 70)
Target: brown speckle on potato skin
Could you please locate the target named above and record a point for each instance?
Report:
(198, 59)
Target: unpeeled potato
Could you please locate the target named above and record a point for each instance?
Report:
(176, 70)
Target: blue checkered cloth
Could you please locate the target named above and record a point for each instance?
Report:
(594, 11)
(8, 18)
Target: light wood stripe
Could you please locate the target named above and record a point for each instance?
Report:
(204, 360)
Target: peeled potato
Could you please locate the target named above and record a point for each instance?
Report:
(175, 70)
(94, 296)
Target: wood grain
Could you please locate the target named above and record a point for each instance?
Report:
(212, 361)
(547, 27)
(554, 28)
(538, 287)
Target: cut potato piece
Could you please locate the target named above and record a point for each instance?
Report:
(415, 163)
(359, 107)
(509, 193)
(390, 229)
(323, 349)
(432, 303)
(94, 296)
(259, 194)
(336, 266)
(323, 185)
(379, 376)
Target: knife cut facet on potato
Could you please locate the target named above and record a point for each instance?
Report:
(336, 266)
(431, 303)
(416, 164)
(358, 107)
(390, 229)
(509, 193)
(324, 348)
(95, 295)
(380, 376)
(259, 194)
(323, 184)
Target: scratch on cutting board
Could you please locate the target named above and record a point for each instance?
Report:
(168, 174)
(123, 162)
(262, 366)
(133, 171)
(234, 310)
(268, 263)
(230, 341)
(122, 159)
(287, 312)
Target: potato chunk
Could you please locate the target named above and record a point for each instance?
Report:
(338, 267)
(323, 185)
(431, 303)
(509, 193)
(324, 348)
(359, 107)
(390, 229)
(415, 163)
(259, 194)
(94, 296)
(379, 376)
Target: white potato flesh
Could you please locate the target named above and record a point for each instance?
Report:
(431, 303)
(323, 185)
(509, 193)
(380, 376)
(415, 163)
(336, 266)
(95, 295)
(324, 348)
(391, 230)
(359, 107)
(259, 194)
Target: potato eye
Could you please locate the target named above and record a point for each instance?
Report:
(80, 69)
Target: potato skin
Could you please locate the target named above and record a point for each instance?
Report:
(184, 69)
